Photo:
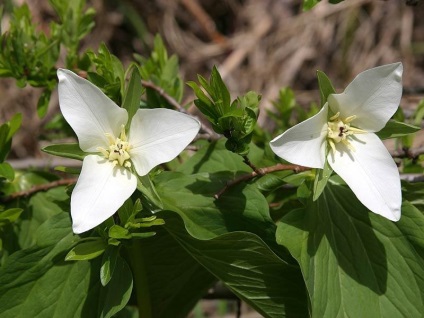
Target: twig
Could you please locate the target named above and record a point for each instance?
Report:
(38, 188)
(176, 105)
(261, 172)
(205, 21)
(247, 161)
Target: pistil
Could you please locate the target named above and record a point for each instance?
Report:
(339, 130)
(118, 151)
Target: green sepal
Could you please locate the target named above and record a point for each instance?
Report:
(133, 94)
(325, 87)
(146, 186)
(321, 178)
(72, 151)
(86, 250)
(395, 129)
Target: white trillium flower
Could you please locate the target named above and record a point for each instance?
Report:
(108, 175)
(346, 125)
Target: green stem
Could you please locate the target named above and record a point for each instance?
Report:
(140, 280)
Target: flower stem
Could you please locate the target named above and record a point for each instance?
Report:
(139, 272)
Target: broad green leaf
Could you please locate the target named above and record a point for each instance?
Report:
(86, 250)
(133, 94)
(72, 151)
(245, 264)
(171, 280)
(344, 249)
(39, 282)
(108, 264)
(43, 103)
(7, 171)
(394, 129)
(241, 208)
(214, 157)
(324, 83)
(414, 193)
(118, 292)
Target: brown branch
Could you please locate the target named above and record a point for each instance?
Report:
(177, 106)
(259, 173)
(38, 188)
(247, 161)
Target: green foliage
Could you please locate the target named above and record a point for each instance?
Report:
(162, 71)
(30, 56)
(75, 25)
(133, 94)
(7, 130)
(109, 75)
(236, 120)
(381, 268)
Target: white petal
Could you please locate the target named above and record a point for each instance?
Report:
(371, 173)
(373, 96)
(100, 191)
(90, 113)
(158, 136)
(304, 144)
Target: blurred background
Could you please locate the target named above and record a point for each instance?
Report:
(257, 45)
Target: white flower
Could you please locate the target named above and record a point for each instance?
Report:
(346, 124)
(108, 175)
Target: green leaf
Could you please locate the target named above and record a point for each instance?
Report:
(118, 292)
(214, 157)
(10, 215)
(86, 250)
(119, 232)
(221, 94)
(72, 151)
(324, 83)
(133, 94)
(245, 264)
(7, 171)
(14, 124)
(108, 264)
(394, 129)
(39, 282)
(174, 281)
(43, 103)
(309, 4)
(344, 250)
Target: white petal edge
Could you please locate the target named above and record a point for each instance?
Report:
(100, 191)
(373, 96)
(304, 144)
(89, 112)
(371, 173)
(159, 135)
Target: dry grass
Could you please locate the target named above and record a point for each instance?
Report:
(257, 45)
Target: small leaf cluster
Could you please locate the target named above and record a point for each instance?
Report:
(235, 120)
(30, 56)
(162, 71)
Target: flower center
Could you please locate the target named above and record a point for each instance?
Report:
(118, 151)
(339, 130)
